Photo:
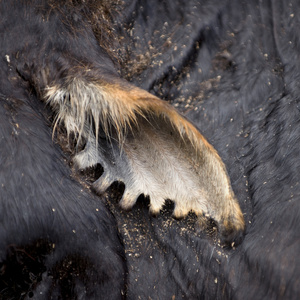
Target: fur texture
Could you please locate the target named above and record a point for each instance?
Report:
(149, 147)
(229, 66)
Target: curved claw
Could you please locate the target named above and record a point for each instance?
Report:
(156, 204)
(103, 183)
(128, 199)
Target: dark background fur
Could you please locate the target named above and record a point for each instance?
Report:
(232, 68)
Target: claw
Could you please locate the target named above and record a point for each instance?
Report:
(103, 183)
(129, 199)
(87, 157)
(180, 212)
(156, 204)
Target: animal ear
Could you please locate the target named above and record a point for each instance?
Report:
(143, 142)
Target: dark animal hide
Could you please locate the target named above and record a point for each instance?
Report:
(84, 134)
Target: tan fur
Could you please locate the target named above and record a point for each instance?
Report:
(153, 149)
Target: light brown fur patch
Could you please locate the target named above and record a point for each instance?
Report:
(149, 146)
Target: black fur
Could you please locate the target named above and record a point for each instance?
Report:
(232, 67)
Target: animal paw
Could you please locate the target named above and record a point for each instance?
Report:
(143, 142)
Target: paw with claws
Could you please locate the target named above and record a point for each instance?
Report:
(144, 143)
